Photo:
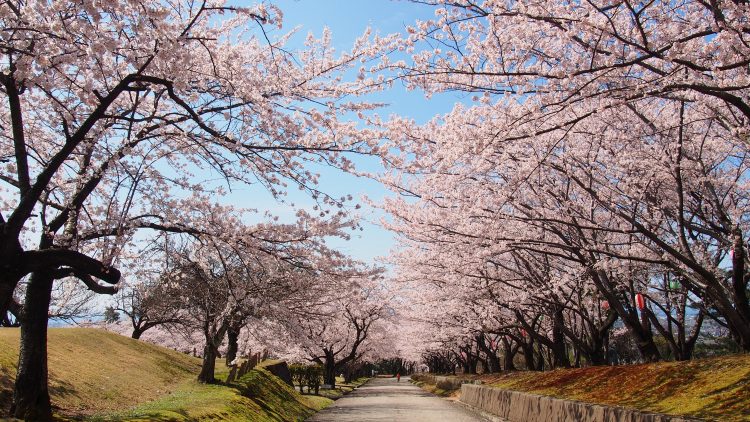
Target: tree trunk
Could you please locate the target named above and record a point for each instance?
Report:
(233, 335)
(596, 356)
(559, 352)
(492, 362)
(209, 364)
(508, 355)
(329, 372)
(31, 400)
(645, 340)
(539, 357)
(137, 333)
(8, 306)
(528, 354)
(10, 252)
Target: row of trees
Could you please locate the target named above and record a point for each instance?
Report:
(124, 123)
(308, 303)
(598, 176)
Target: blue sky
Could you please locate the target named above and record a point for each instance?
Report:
(347, 20)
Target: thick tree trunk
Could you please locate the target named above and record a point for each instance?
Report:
(233, 335)
(209, 364)
(740, 323)
(137, 333)
(559, 351)
(492, 362)
(641, 333)
(528, 354)
(644, 340)
(597, 357)
(539, 358)
(329, 372)
(7, 303)
(10, 253)
(31, 400)
(508, 355)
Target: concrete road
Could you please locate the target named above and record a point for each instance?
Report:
(384, 399)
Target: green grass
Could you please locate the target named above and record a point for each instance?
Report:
(434, 389)
(342, 388)
(94, 371)
(258, 396)
(100, 376)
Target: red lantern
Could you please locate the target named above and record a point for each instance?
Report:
(605, 305)
(523, 332)
(640, 302)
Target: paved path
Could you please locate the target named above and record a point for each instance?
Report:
(384, 399)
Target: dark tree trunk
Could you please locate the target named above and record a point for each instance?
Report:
(597, 357)
(559, 351)
(640, 330)
(31, 400)
(10, 256)
(233, 335)
(209, 364)
(137, 333)
(528, 354)
(645, 340)
(492, 362)
(509, 355)
(539, 358)
(329, 372)
(8, 305)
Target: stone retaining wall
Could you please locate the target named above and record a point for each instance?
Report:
(515, 406)
(281, 370)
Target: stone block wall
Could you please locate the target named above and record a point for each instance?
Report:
(281, 370)
(515, 406)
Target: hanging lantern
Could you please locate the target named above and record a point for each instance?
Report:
(675, 285)
(731, 253)
(524, 333)
(640, 302)
(605, 305)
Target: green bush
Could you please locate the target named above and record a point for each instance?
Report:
(306, 375)
(313, 375)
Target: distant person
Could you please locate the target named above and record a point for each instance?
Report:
(398, 376)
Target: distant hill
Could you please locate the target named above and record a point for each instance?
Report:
(95, 374)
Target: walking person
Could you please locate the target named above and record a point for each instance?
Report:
(398, 376)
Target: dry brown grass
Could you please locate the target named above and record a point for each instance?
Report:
(715, 389)
(93, 371)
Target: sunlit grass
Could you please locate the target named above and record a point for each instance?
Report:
(100, 376)
(714, 389)
(93, 370)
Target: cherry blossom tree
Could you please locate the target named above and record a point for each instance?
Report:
(111, 112)
(609, 138)
(349, 325)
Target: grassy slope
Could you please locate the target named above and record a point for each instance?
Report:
(93, 370)
(714, 389)
(98, 374)
(258, 396)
